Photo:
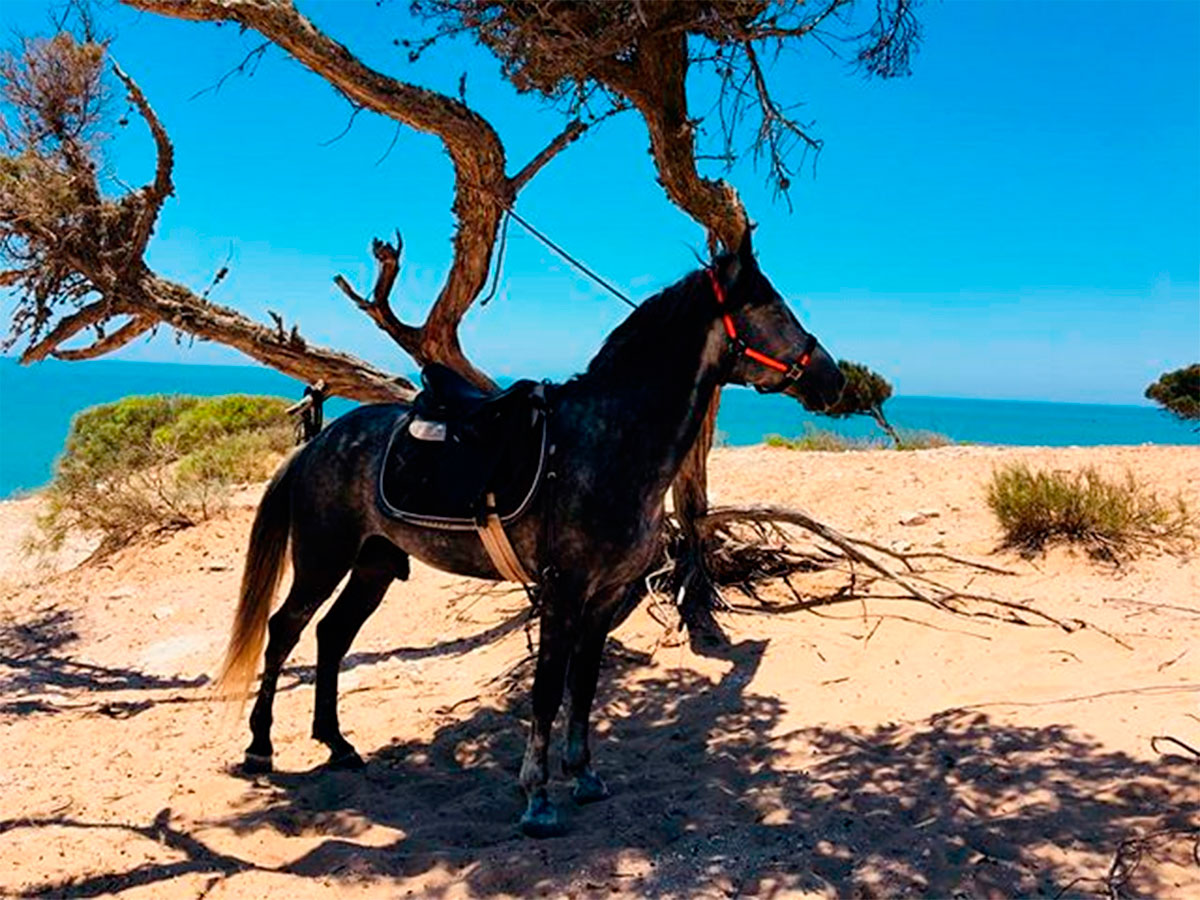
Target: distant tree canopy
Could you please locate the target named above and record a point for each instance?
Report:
(864, 395)
(1178, 392)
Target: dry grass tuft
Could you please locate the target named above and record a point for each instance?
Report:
(1110, 518)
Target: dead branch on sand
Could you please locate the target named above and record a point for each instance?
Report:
(749, 545)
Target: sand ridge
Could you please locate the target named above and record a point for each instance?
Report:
(873, 748)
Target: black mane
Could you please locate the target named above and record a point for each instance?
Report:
(652, 330)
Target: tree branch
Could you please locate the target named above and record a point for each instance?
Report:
(69, 326)
(379, 307)
(154, 194)
(481, 186)
(563, 140)
(656, 84)
(277, 347)
(774, 123)
(132, 329)
(720, 515)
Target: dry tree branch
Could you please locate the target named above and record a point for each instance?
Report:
(774, 125)
(757, 562)
(471, 143)
(561, 141)
(153, 195)
(69, 326)
(379, 307)
(75, 257)
(130, 331)
(718, 515)
(249, 64)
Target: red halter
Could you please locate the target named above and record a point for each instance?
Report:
(792, 372)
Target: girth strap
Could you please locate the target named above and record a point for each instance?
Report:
(499, 549)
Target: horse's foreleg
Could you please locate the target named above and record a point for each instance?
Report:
(541, 818)
(582, 676)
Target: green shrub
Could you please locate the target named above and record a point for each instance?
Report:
(146, 464)
(815, 438)
(1109, 517)
(916, 439)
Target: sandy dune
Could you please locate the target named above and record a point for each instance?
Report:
(859, 748)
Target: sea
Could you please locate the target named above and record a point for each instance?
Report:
(38, 401)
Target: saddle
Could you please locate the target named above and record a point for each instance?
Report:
(466, 460)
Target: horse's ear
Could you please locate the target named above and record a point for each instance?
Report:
(729, 267)
(735, 263)
(745, 252)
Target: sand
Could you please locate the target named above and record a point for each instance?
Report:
(873, 747)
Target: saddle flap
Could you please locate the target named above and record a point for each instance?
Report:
(439, 473)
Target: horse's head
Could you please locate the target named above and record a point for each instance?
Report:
(772, 351)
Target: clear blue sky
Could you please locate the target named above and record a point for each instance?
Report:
(1020, 218)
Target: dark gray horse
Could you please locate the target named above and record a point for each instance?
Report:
(620, 432)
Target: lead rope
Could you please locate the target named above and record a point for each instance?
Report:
(567, 256)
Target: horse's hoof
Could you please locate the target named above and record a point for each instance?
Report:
(541, 820)
(256, 764)
(589, 788)
(346, 761)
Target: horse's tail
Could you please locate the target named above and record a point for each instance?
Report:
(260, 580)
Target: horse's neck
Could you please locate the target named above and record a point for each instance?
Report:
(648, 413)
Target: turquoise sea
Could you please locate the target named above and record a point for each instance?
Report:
(37, 402)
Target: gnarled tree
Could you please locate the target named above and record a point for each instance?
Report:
(588, 54)
(77, 257)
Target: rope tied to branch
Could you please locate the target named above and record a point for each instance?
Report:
(577, 263)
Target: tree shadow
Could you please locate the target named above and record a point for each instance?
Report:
(197, 857)
(307, 674)
(705, 789)
(709, 798)
(35, 660)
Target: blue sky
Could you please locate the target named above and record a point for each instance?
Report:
(1019, 219)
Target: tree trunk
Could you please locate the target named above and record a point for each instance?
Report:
(699, 597)
(882, 422)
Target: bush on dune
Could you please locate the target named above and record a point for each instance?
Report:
(1110, 518)
(148, 464)
(815, 438)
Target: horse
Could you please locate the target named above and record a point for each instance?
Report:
(619, 433)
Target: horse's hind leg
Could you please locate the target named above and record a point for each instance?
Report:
(312, 583)
(378, 564)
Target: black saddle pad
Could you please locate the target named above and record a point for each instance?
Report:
(439, 473)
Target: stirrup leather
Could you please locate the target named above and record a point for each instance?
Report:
(499, 549)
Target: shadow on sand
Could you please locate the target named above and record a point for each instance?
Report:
(709, 800)
(35, 659)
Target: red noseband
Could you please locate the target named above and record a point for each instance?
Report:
(792, 372)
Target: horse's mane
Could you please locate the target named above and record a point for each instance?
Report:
(649, 331)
